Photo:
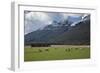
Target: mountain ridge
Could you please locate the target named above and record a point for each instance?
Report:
(62, 33)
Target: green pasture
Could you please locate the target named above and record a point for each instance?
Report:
(56, 52)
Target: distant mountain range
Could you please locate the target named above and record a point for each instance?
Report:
(70, 31)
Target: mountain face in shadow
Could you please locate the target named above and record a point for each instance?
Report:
(62, 33)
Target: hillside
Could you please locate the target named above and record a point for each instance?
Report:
(62, 33)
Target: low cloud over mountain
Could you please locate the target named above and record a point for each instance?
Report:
(57, 28)
(38, 20)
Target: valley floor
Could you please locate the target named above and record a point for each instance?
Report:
(56, 52)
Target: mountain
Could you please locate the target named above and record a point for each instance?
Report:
(72, 19)
(62, 32)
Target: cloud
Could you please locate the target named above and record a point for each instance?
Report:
(36, 20)
(76, 15)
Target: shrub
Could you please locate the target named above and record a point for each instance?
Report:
(66, 50)
(46, 49)
(69, 49)
(76, 48)
(40, 50)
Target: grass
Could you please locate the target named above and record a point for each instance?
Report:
(56, 53)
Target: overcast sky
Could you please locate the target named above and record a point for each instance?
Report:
(38, 20)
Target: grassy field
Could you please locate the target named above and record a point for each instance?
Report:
(56, 52)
